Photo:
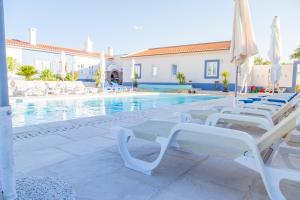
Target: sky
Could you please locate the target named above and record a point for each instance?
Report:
(132, 25)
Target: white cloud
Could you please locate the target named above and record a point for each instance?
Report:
(138, 28)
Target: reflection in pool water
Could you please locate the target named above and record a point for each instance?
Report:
(29, 113)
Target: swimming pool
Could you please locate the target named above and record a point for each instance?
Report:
(164, 87)
(26, 112)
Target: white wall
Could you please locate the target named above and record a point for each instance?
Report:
(86, 61)
(31, 57)
(15, 53)
(261, 76)
(191, 64)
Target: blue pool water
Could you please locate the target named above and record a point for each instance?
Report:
(29, 113)
(164, 87)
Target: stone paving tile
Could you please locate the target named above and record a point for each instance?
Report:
(29, 161)
(82, 133)
(81, 170)
(86, 146)
(115, 187)
(170, 168)
(225, 172)
(38, 143)
(192, 187)
(17, 130)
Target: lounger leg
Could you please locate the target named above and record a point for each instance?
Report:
(124, 135)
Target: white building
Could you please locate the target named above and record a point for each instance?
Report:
(45, 56)
(202, 64)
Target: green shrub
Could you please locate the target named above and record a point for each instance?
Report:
(27, 71)
(97, 77)
(47, 75)
(12, 64)
(181, 78)
(72, 76)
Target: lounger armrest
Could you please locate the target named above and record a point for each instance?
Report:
(248, 111)
(261, 122)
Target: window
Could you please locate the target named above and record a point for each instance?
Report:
(154, 71)
(81, 68)
(174, 70)
(138, 70)
(212, 68)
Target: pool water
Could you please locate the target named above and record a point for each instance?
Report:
(29, 113)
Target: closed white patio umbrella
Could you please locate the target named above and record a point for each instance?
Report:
(243, 43)
(275, 52)
(103, 69)
(246, 73)
(132, 70)
(62, 71)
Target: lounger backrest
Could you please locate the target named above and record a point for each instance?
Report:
(285, 108)
(280, 130)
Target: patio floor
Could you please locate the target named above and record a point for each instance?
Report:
(84, 153)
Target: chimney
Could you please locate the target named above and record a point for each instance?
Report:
(32, 36)
(110, 52)
(88, 45)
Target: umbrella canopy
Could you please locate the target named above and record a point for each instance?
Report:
(103, 68)
(275, 51)
(246, 70)
(243, 43)
(63, 64)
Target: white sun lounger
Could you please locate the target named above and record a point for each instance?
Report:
(272, 115)
(233, 144)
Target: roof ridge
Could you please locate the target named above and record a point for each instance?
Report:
(50, 45)
(228, 41)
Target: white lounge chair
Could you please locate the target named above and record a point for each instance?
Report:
(233, 144)
(273, 115)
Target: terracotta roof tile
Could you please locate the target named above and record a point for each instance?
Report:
(191, 48)
(51, 48)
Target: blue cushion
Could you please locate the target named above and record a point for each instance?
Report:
(277, 100)
(246, 100)
(255, 98)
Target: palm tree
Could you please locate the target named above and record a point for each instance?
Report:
(27, 71)
(296, 54)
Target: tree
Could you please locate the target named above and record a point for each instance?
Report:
(47, 75)
(72, 76)
(12, 64)
(261, 61)
(27, 71)
(181, 78)
(225, 81)
(296, 54)
(97, 77)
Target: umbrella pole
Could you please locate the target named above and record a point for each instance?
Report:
(236, 81)
(8, 182)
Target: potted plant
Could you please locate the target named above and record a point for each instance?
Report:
(225, 81)
(181, 78)
(134, 80)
